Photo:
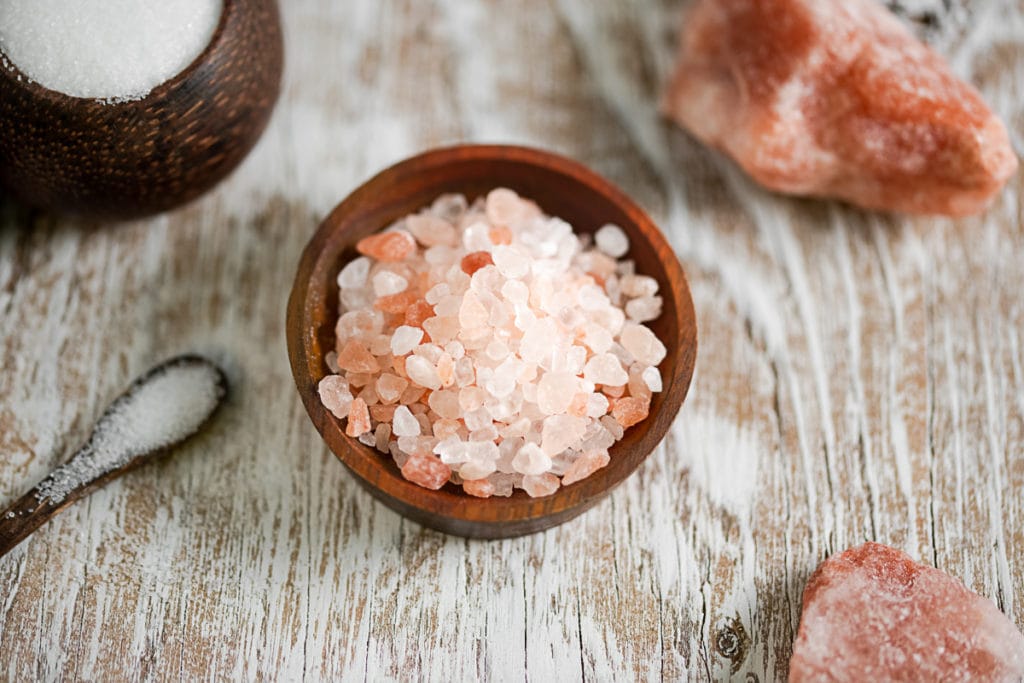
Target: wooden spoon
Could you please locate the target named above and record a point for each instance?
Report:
(158, 411)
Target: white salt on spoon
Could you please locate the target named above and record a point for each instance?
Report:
(159, 410)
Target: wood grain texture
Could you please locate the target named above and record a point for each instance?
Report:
(861, 377)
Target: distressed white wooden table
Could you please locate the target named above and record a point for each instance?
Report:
(860, 377)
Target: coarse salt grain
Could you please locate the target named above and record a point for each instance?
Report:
(488, 345)
(105, 49)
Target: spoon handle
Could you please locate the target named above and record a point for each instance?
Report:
(34, 509)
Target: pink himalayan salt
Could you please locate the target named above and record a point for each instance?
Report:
(382, 412)
(405, 339)
(612, 240)
(423, 372)
(417, 313)
(396, 304)
(630, 410)
(431, 231)
(476, 260)
(540, 485)
(404, 424)
(387, 246)
(837, 98)
(480, 488)
(358, 418)
(605, 369)
(335, 395)
(586, 464)
(355, 357)
(555, 392)
(390, 387)
(641, 343)
(386, 283)
(531, 460)
(873, 614)
(427, 471)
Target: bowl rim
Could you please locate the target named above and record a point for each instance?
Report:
(493, 517)
(40, 91)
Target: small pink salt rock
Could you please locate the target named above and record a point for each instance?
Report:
(476, 260)
(335, 395)
(837, 98)
(419, 311)
(431, 230)
(538, 486)
(480, 488)
(387, 246)
(585, 465)
(427, 471)
(630, 410)
(354, 357)
(873, 614)
(397, 304)
(358, 418)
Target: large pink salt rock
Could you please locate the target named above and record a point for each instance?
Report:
(837, 98)
(873, 614)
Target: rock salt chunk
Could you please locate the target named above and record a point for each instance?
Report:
(586, 464)
(472, 312)
(419, 311)
(506, 208)
(511, 262)
(652, 378)
(354, 274)
(386, 283)
(555, 392)
(445, 404)
(873, 614)
(389, 247)
(355, 357)
(442, 328)
(561, 432)
(390, 387)
(638, 285)
(612, 240)
(358, 418)
(405, 339)
(479, 488)
(605, 369)
(404, 424)
(597, 405)
(641, 344)
(540, 485)
(474, 261)
(335, 395)
(382, 437)
(427, 471)
(644, 309)
(423, 372)
(531, 460)
(629, 411)
(360, 325)
(431, 231)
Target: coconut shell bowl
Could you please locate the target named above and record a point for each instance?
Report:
(562, 188)
(102, 159)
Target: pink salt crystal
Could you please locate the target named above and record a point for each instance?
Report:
(637, 386)
(416, 445)
(873, 614)
(477, 237)
(464, 372)
(445, 428)
(411, 395)
(386, 283)
(561, 432)
(390, 387)
(605, 369)
(418, 312)
(354, 274)
(641, 343)
(396, 304)
(354, 357)
(369, 395)
(427, 471)
(445, 404)
(381, 437)
(614, 392)
(510, 262)
(474, 261)
(423, 372)
(652, 378)
(598, 338)
(515, 291)
(555, 392)
(638, 285)
(446, 370)
(500, 235)
(506, 208)
(538, 486)
(586, 464)
(480, 488)
(361, 325)
(358, 418)
(387, 246)
(531, 460)
(331, 359)
(644, 309)
(383, 413)
(405, 339)
(597, 405)
(471, 398)
(431, 230)
(477, 419)
(628, 411)
(612, 240)
(515, 429)
(358, 379)
(441, 328)
(472, 312)
(578, 405)
(399, 457)
(404, 424)
(335, 395)
(478, 468)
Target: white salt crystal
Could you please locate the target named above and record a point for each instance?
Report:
(644, 308)
(106, 49)
(510, 262)
(477, 238)
(555, 391)
(638, 285)
(405, 339)
(605, 369)
(437, 292)
(612, 240)
(423, 372)
(515, 291)
(163, 407)
(531, 460)
(592, 297)
(652, 378)
(477, 419)
(597, 405)
(386, 283)
(404, 424)
(641, 343)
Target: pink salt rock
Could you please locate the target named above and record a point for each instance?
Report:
(431, 231)
(630, 410)
(418, 312)
(586, 464)
(335, 395)
(383, 412)
(397, 304)
(354, 357)
(358, 418)
(392, 246)
(873, 614)
(474, 261)
(480, 488)
(500, 235)
(836, 98)
(540, 485)
(427, 471)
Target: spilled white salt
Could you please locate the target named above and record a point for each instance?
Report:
(109, 49)
(160, 409)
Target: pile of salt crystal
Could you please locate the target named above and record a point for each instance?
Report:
(490, 346)
(108, 49)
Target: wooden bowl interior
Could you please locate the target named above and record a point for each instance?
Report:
(562, 188)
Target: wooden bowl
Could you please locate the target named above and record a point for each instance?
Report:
(563, 188)
(129, 159)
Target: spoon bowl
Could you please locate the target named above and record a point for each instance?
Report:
(104, 159)
(562, 188)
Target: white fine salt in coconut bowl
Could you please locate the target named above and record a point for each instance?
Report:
(109, 49)
(122, 108)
